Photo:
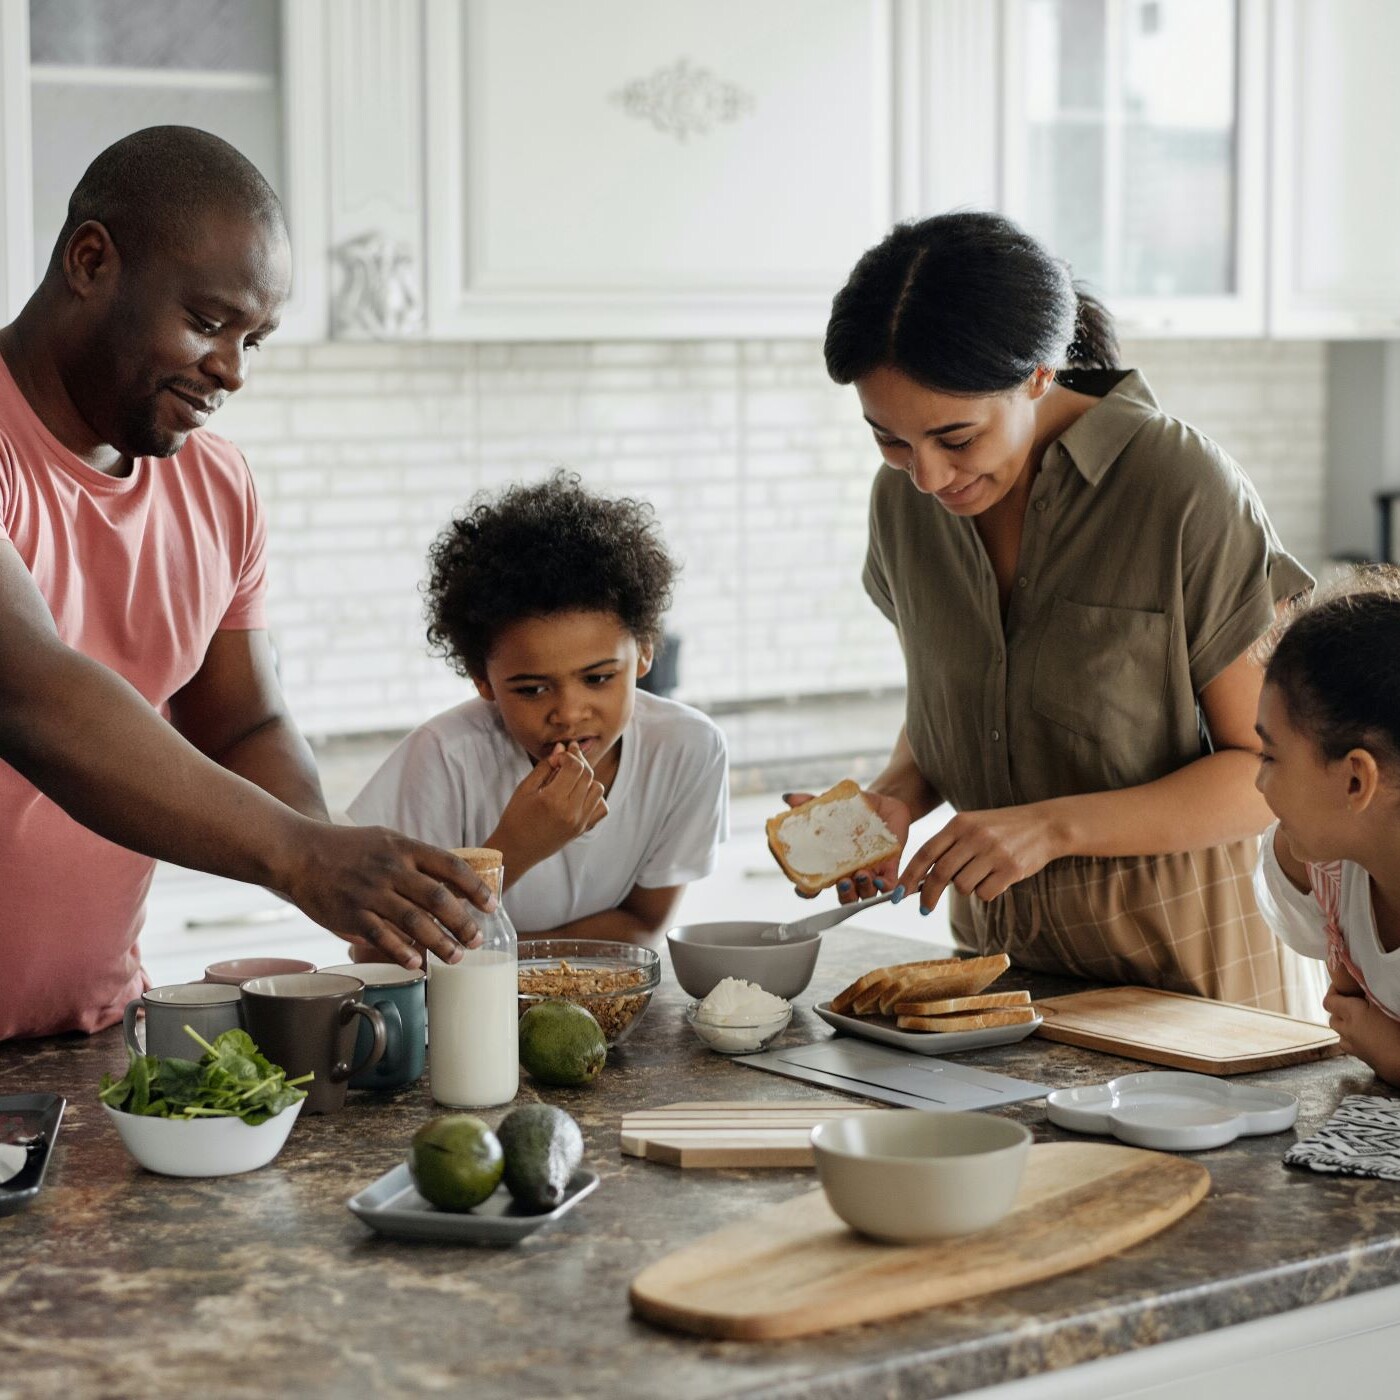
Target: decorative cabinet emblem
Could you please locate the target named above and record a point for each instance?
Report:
(377, 298)
(683, 100)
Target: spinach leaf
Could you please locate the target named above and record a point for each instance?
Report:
(231, 1079)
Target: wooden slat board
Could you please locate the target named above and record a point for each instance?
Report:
(795, 1269)
(745, 1134)
(1183, 1032)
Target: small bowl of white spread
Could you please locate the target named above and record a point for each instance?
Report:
(738, 1018)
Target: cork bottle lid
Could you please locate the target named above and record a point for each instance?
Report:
(489, 864)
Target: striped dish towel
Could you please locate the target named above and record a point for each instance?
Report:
(1362, 1138)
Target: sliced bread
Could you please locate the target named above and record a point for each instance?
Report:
(950, 1006)
(972, 1021)
(960, 977)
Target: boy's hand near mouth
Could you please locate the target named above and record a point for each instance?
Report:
(559, 799)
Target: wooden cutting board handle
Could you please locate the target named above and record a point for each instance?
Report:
(795, 1269)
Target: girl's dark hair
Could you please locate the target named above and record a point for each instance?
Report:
(964, 303)
(1336, 664)
(537, 550)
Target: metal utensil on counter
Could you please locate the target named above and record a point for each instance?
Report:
(819, 923)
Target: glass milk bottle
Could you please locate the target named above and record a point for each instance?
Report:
(473, 1037)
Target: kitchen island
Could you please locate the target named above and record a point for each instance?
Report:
(116, 1281)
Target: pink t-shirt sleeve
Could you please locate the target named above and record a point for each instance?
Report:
(247, 611)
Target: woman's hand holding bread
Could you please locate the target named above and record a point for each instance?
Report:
(559, 799)
(892, 820)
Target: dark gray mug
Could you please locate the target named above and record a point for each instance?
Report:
(398, 994)
(209, 1009)
(305, 1022)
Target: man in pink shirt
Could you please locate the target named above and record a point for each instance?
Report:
(140, 713)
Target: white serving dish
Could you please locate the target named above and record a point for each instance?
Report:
(393, 1206)
(906, 1176)
(203, 1146)
(925, 1042)
(1173, 1111)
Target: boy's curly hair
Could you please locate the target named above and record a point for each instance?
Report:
(536, 550)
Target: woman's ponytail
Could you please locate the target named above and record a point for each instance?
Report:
(1095, 343)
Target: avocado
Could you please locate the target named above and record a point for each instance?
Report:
(561, 1043)
(456, 1161)
(543, 1147)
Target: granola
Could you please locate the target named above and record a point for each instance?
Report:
(593, 988)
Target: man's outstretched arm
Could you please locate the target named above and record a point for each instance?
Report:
(91, 743)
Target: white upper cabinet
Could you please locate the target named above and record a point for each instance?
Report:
(1336, 182)
(1135, 146)
(677, 169)
(79, 74)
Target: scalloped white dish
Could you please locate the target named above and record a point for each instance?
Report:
(1173, 1111)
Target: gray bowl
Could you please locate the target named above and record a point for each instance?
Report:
(704, 954)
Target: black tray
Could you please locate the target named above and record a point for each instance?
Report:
(23, 1116)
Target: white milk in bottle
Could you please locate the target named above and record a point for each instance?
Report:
(473, 1036)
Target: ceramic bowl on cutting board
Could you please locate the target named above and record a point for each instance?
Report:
(703, 955)
(1173, 1111)
(905, 1176)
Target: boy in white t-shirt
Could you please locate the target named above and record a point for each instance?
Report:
(606, 802)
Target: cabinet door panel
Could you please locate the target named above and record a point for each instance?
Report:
(1336, 269)
(1134, 148)
(669, 169)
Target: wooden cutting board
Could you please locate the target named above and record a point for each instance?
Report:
(795, 1269)
(1167, 1028)
(732, 1134)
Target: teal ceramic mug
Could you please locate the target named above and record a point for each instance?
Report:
(398, 994)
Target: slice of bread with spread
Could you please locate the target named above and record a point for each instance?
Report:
(830, 837)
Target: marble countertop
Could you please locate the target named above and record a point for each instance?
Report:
(117, 1281)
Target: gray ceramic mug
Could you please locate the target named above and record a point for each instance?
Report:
(398, 994)
(208, 1008)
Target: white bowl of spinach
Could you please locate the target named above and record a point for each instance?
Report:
(228, 1112)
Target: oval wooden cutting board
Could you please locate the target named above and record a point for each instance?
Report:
(795, 1269)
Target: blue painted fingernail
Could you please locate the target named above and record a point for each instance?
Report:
(925, 911)
(897, 895)
(880, 885)
(844, 886)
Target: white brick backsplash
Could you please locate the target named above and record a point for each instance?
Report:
(759, 469)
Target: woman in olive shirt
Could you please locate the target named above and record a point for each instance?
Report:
(1076, 579)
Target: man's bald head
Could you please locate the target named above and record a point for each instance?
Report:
(152, 191)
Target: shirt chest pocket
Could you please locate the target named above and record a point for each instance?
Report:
(1102, 672)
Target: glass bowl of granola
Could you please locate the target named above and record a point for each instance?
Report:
(613, 981)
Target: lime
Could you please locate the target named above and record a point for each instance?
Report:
(455, 1161)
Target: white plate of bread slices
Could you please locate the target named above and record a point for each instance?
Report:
(933, 1007)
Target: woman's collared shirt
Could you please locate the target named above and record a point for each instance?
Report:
(1147, 566)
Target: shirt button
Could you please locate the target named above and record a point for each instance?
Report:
(996, 736)
(1022, 581)
(1040, 505)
